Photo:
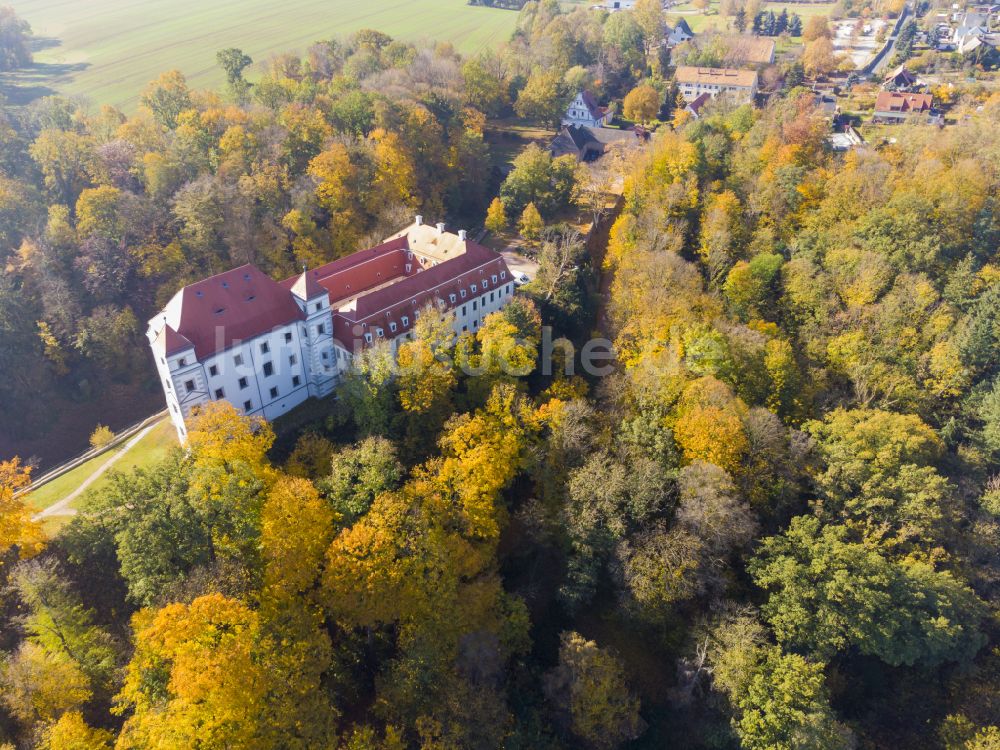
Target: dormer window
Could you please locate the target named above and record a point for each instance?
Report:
(406, 321)
(379, 332)
(409, 266)
(494, 278)
(503, 274)
(473, 288)
(368, 338)
(463, 294)
(182, 362)
(392, 327)
(451, 298)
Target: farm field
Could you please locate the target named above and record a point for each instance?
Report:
(108, 50)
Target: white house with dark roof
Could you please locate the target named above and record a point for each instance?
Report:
(584, 111)
(266, 346)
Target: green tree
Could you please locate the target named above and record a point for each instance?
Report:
(234, 61)
(829, 592)
(167, 97)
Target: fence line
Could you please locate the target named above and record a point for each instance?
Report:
(73, 463)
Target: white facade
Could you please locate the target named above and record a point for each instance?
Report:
(307, 344)
(266, 375)
(583, 111)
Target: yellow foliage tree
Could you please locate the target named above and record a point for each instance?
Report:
(71, 732)
(16, 527)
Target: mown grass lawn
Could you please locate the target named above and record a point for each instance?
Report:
(108, 50)
(153, 446)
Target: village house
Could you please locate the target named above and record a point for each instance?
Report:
(899, 106)
(266, 346)
(902, 79)
(584, 110)
(738, 85)
(678, 34)
(589, 144)
(695, 106)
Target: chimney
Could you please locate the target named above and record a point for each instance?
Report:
(420, 220)
(440, 227)
(461, 234)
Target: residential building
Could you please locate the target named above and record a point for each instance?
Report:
(898, 106)
(266, 346)
(678, 34)
(584, 110)
(589, 144)
(739, 85)
(695, 106)
(902, 79)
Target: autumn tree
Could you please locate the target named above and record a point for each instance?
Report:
(641, 103)
(589, 691)
(496, 217)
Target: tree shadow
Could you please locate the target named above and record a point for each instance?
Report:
(37, 80)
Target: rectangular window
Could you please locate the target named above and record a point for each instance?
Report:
(268, 369)
(292, 359)
(463, 309)
(392, 327)
(247, 405)
(274, 393)
(320, 329)
(243, 383)
(264, 348)
(491, 296)
(219, 393)
(213, 370)
(189, 385)
(326, 355)
(473, 304)
(296, 380)
(319, 306)
(238, 360)
(288, 337)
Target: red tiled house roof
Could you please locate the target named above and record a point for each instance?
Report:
(231, 306)
(895, 101)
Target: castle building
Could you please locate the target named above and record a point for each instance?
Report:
(266, 346)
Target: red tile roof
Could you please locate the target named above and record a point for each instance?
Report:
(233, 306)
(244, 302)
(895, 101)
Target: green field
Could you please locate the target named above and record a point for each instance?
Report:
(108, 50)
(153, 446)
